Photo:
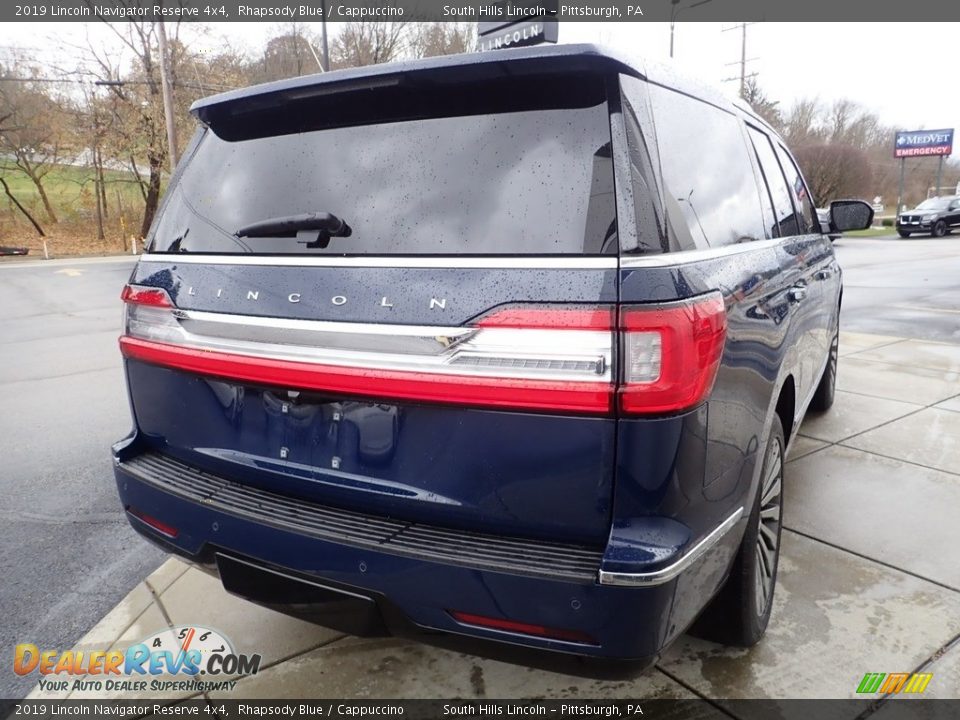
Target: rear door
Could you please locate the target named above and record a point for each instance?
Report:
(800, 257)
(424, 326)
(821, 274)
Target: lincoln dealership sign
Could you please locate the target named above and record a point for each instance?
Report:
(916, 143)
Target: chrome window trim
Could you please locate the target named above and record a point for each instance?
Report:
(659, 577)
(386, 261)
(626, 262)
(685, 257)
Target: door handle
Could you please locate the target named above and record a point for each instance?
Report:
(796, 293)
(824, 274)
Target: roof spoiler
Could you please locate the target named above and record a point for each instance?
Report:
(450, 69)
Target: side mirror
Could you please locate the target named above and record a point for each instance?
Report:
(850, 215)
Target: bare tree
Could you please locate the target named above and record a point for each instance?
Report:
(834, 171)
(763, 105)
(442, 38)
(289, 55)
(33, 131)
(21, 208)
(801, 122)
(368, 43)
(138, 102)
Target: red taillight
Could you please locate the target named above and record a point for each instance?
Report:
(555, 317)
(671, 354)
(574, 636)
(158, 525)
(550, 357)
(549, 395)
(139, 295)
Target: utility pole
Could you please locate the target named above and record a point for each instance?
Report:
(167, 90)
(323, 34)
(743, 59)
(900, 189)
(742, 62)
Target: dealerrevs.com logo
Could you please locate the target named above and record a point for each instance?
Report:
(172, 659)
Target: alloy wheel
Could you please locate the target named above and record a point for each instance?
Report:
(768, 536)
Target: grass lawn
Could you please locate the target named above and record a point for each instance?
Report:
(871, 232)
(70, 190)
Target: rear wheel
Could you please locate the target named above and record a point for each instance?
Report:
(739, 614)
(903, 233)
(939, 229)
(823, 397)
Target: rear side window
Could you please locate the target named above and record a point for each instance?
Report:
(779, 191)
(798, 187)
(710, 190)
(473, 172)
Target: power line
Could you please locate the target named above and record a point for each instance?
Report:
(187, 85)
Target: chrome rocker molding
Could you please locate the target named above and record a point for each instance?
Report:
(659, 577)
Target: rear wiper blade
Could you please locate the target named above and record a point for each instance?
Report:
(313, 229)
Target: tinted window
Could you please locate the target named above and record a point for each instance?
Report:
(637, 125)
(779, 192)
(801, 197)
(933, 204)
(710, 190)
(533, 180)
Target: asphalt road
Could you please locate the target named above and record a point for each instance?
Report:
(68, 555)
(908, 288)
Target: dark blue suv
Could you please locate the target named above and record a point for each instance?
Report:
(508, 346)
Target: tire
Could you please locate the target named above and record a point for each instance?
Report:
(939, 229)
(740, 612)
(903, 234)
(823, 397)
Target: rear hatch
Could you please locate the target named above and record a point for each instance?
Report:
(393, 294)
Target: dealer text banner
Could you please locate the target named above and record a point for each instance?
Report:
(660, 709)
(482, 11)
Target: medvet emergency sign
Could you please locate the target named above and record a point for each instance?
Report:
(917, 143)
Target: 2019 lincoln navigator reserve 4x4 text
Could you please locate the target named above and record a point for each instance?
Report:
(508, 346)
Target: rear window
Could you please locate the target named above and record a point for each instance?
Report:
(474, 174)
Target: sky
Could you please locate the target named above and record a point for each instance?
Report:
(902, 71)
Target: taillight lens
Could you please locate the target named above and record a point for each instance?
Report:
(139, 295)
(554, 358)
(671, 354)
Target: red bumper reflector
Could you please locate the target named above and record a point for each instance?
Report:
(158, 525)
(548, 395)
(574, 636)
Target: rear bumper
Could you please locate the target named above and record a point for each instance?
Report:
(409, 578)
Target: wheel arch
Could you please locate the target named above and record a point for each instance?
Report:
(786, 408)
